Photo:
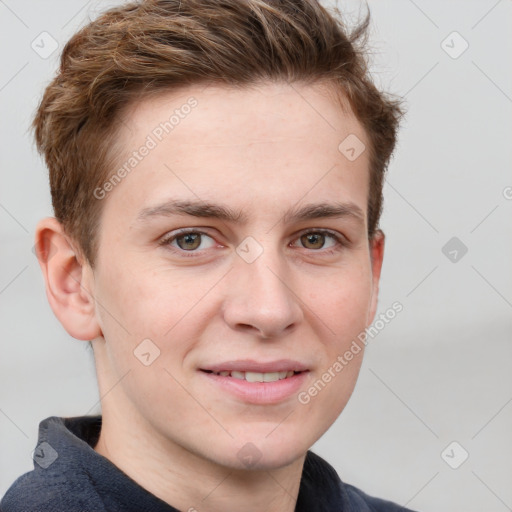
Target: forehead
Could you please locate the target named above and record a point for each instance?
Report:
(253, 145)
(247, 114)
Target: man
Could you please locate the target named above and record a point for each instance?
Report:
(216, 172)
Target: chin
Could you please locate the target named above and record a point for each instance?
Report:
(262, 453)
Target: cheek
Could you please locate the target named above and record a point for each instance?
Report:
(139, 293)
(345, 300)
(157, 303)
(130, 308)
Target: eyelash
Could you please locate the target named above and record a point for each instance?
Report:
(166, 241)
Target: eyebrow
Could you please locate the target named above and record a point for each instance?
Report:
(206, 209)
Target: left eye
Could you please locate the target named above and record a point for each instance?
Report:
(316, 240)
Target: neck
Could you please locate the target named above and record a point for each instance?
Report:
(177, 473)
(190, 482)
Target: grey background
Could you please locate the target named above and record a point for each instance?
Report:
(440, 371)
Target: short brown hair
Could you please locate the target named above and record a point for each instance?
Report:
(155, 45)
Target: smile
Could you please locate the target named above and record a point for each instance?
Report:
(257, 383)
(255, 376)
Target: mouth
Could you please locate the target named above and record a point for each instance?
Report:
(255, 382)
(255, 376)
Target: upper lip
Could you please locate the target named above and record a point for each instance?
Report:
(250, 365)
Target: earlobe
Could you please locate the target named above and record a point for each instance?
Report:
(376, 259)
(68, 280)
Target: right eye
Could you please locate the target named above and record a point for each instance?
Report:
(187, 241)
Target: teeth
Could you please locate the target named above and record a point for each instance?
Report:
(258, 377)
(254, 377)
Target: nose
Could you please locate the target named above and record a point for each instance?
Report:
(261, 297)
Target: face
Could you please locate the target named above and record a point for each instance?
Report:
(235, 250)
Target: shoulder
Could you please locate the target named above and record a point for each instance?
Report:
(61, 479)
(50, 492)
(326, 485)
(363, 502)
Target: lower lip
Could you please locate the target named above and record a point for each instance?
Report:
(259, 392)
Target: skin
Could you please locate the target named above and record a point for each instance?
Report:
(262, 150)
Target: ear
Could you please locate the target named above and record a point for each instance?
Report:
(68, 280)
(376, 258)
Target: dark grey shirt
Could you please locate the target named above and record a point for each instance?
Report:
(69, 476)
